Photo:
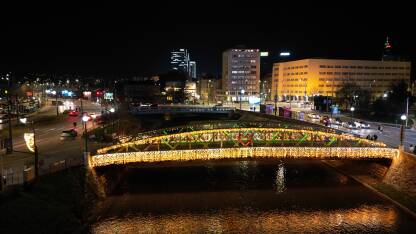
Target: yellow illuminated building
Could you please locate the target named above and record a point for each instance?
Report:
(302, 79)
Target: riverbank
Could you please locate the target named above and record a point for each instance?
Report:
(61, 202)
(371, 175)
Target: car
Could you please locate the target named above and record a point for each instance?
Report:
(364, 125)
(325, 120)
(69, 133)
(350, 125)
(337, 121)
(73, 113)
(313, 116)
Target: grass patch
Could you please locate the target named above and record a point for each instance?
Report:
(400, 197)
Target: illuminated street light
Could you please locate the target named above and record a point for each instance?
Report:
(352, 109)
(85, 119)
(112, 110)
(241, 94)
(385, 95)
(23, 120)
(402, 117)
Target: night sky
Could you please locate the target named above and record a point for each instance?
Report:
(137, 39)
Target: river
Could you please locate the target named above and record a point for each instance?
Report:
(291, 196)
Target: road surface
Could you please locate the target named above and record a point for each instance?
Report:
(51, 148)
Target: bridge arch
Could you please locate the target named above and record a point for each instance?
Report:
(246, 142)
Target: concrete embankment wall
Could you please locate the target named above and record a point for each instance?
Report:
(402, 173)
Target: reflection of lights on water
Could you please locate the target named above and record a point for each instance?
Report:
(280, 178)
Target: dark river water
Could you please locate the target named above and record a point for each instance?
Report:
(247, 197)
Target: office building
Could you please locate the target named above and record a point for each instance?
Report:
(241, 74)
(179, 60)
(192, 69)
(302, 79)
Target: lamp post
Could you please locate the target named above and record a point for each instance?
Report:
(241, 93)
(35, 147)
(403, 118)
(85, 119)
(352, 109)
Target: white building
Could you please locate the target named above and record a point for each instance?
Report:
(241, 74)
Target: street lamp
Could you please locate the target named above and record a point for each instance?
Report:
(403, 118)
(85, 119)
(352, 109)
(112, 110)
(35, 147)
(241, 93)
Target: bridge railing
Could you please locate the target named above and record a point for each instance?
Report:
(178, 109)
(222, 124)
(242, 137)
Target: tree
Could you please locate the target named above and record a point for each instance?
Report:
(395, 103)
(351, 94)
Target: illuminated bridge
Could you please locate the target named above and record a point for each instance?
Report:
(181, 109)
(242, 140)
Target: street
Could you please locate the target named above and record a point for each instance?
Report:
(51, 148)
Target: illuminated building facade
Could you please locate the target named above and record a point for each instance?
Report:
(299, 80)
(241, 71)
(180, 61)
(192, 69)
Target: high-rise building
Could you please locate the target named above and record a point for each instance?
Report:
(387, 51)
(192, 69)
(179, 60)
(241, 74)
(301, 79)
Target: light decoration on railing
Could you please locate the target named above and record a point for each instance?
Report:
(247, 152)
(190, 137)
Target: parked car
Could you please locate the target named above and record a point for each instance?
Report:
(337, 121)
(364, 125)
(350, 125)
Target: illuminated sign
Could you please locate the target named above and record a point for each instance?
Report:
(30, 141)
(285, 54)
(264, 54)
(254, 100)
(67, 93)
(108, 96)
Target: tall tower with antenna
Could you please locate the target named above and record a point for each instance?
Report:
(387, 52)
